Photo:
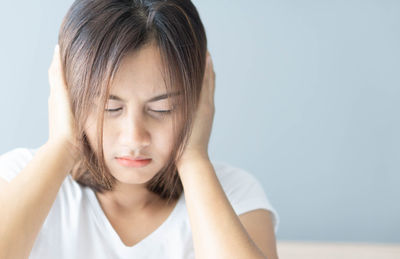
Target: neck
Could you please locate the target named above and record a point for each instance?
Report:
(128, 199)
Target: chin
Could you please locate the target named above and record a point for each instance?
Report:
(132, 175)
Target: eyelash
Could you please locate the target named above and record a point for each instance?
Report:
(161, 113)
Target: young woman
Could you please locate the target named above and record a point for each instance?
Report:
(125, 172)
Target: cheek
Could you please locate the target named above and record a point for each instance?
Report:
(91, 133)
(163, 141)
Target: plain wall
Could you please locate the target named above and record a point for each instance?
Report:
(307, 99)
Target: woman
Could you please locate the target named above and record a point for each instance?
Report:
(125, 172)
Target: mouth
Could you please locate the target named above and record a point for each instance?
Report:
(133, 162)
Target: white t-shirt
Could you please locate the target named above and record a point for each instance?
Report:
(76, 226)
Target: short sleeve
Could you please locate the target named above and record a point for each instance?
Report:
(244, 191)
(13, 161)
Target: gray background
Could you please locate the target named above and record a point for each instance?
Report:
(307, 100)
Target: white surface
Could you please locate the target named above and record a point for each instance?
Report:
(326, 250)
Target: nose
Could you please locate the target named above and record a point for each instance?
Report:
(133, 133)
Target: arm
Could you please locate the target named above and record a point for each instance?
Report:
(259, 225)
(27, 199)
(217, 230)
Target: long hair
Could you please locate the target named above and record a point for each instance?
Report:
(94, 37)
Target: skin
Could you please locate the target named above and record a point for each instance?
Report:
(135, 129)
(215, 235)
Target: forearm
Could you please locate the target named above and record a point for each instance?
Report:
(217, 230)
(26, 201)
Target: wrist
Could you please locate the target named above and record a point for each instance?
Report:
(191, 154)
(68, 150)
(191, 159)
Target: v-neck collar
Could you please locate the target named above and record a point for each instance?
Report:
(110, 233)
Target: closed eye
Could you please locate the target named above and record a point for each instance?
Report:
(166, 111)
(118, 109)
(113, 110)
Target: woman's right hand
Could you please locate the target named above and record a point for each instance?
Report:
(61, 119)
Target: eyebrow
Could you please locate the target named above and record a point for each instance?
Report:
(154, 99)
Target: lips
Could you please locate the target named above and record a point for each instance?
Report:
(133, 162)
(133, 158)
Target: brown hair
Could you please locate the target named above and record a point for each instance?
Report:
(94, 37)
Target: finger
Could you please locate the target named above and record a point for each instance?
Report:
(208, 58)
(56, 57)
(59, 67)
(53, 70)
(55, 50)
(53, 64)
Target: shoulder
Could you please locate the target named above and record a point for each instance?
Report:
(234, 178)
(13, 161)
(225, 169)
(19, 154)
(243, 189)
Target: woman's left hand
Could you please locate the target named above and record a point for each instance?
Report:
(197, 146)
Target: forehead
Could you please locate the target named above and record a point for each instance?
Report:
(140, 71)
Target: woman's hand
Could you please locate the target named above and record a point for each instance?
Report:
(61, 119)
(197, 147)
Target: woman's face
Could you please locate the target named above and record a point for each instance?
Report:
(133, 123)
